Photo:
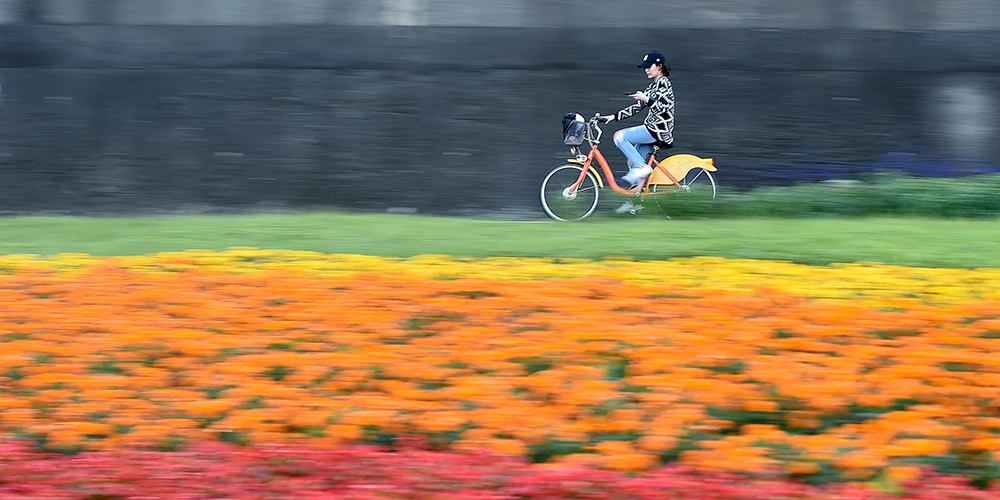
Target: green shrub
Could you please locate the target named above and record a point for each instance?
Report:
(879, 195)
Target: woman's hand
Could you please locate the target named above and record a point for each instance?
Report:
(607, 118)
(640, 96)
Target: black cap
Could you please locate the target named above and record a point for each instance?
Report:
(652, 58)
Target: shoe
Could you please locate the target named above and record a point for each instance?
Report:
(622, 183)
(637, 173)
(628, 207)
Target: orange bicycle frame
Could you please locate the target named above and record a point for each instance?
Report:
(595, 153)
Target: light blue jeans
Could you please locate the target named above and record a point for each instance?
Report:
(636, 143)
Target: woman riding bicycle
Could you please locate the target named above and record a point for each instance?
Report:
(636, 142)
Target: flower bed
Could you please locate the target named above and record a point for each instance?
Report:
(218, 470)
(769, 369)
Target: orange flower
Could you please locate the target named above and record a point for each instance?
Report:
(63, 438)
(921, 447)
(901, 474)
(509, 446)
(344, 432)
(799, 468)
(657, 443)
(270, 346)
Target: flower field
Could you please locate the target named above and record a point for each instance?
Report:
(664, 372)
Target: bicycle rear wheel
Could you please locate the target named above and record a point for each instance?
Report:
(695, 193)
(559, 202)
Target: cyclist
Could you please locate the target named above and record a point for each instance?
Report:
(636, 142)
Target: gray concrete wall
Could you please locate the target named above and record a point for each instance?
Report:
(119, 106)
(780, 14)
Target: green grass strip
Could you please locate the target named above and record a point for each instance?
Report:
(925, 242)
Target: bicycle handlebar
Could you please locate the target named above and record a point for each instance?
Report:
(595, 121)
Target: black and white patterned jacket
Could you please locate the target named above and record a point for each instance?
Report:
(660, 120)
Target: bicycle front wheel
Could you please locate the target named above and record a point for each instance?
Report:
(560, 201)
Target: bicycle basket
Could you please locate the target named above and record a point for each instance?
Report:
(573, 129)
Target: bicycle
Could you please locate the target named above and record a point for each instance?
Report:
(570, 191)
